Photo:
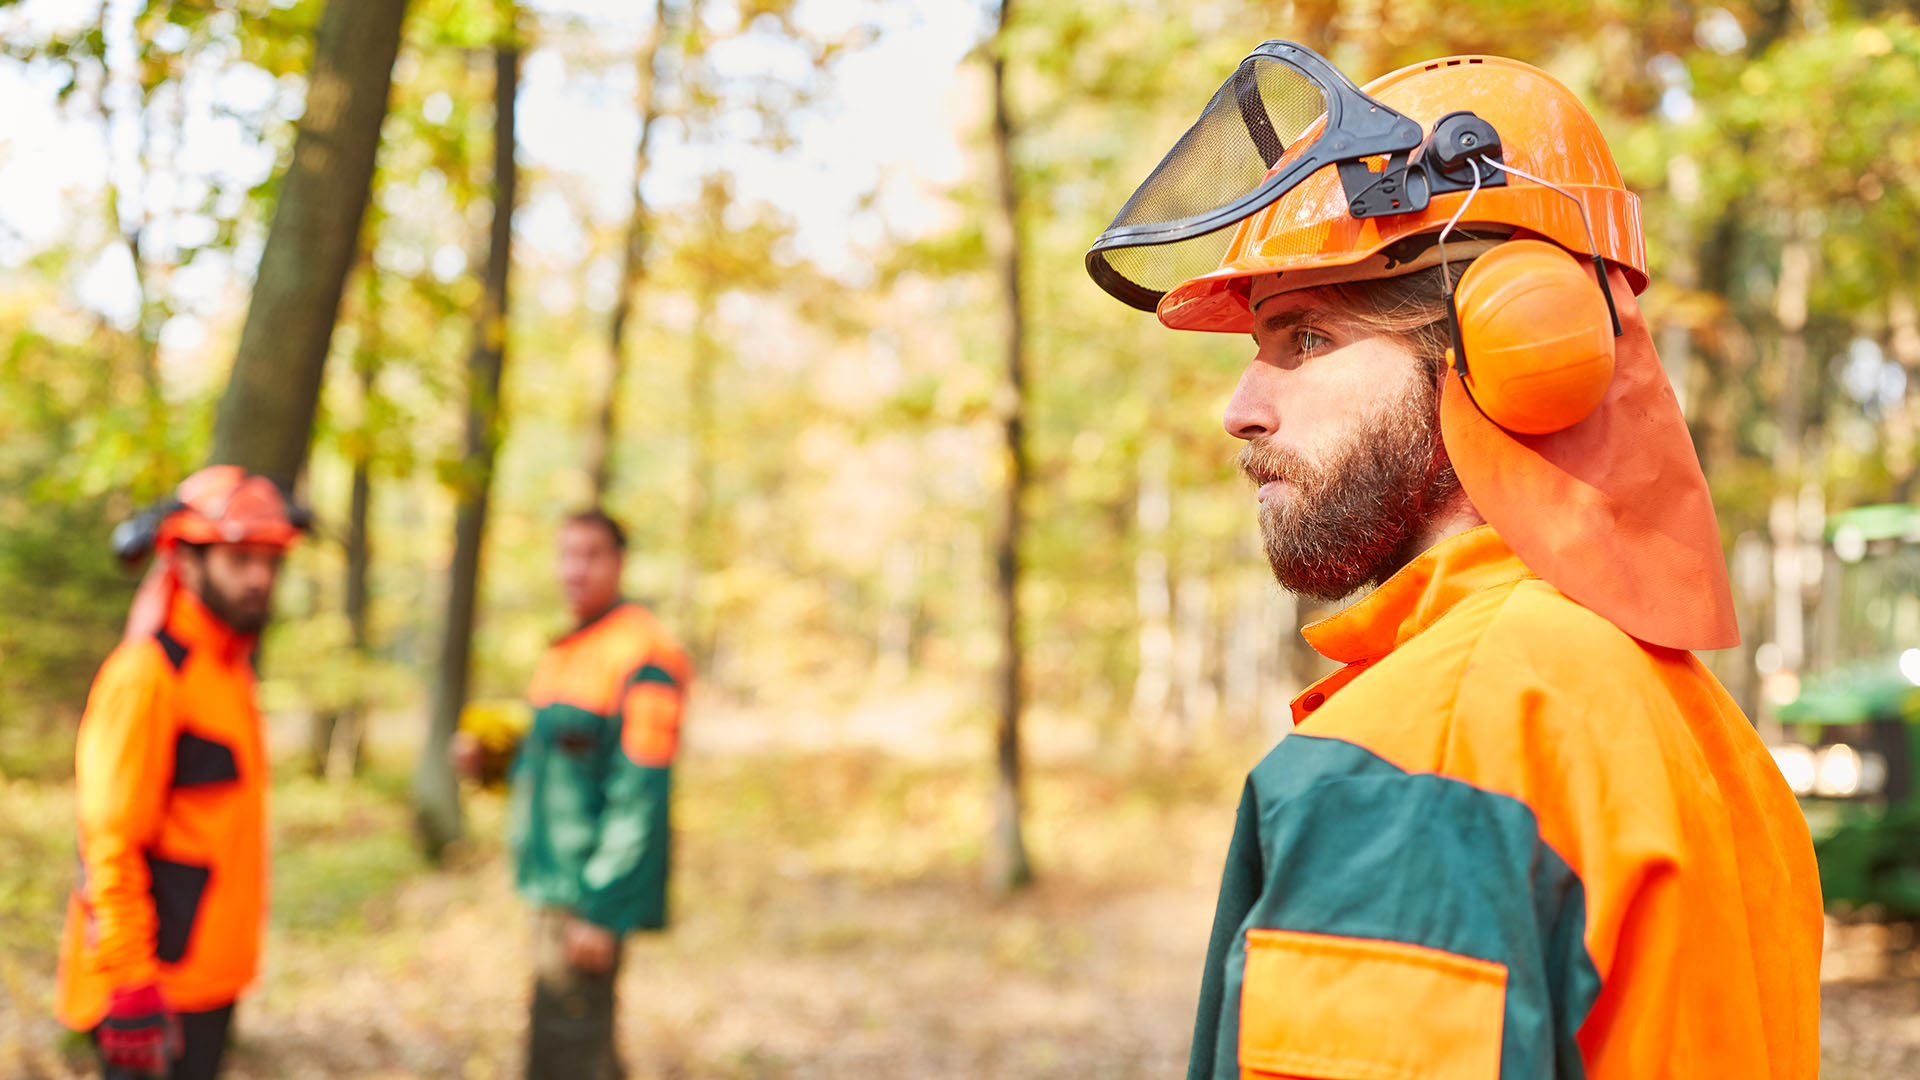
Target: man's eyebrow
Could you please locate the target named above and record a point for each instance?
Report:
(1280, 319)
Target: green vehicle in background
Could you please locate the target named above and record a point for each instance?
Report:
(1850, 735)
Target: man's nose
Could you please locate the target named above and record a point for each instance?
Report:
(1254, 410)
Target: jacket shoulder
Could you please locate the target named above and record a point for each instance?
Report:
(640, 639)
(1539, 626)
(592, 668)
(1503, 671)
(150, 658)
(1546, 658)
(136, 678)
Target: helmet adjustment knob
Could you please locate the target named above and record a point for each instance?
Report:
(1459, 137)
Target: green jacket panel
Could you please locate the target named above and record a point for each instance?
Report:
(590, 824)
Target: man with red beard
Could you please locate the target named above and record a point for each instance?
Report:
(1522, 831)
(1347, 496)
(170, 785)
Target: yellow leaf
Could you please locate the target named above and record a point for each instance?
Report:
(1872, 41)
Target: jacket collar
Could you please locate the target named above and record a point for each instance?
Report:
(189, 621)
(597, 620)
(1416, 597)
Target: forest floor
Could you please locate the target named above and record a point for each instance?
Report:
(827, 923)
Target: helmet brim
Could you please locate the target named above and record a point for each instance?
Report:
(1360, 249)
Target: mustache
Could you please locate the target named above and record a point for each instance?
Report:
(1264, 462)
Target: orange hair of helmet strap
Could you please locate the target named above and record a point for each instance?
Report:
(1533, 337)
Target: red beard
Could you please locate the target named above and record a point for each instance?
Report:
(1359, 514)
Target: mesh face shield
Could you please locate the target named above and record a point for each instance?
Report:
(1284, 114)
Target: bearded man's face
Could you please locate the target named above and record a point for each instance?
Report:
(234, 581)
(1343, 443)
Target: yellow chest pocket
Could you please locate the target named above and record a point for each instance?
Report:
(1323, 1007)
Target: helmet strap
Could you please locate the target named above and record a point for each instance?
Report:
(1599, 265)
(1446, 279)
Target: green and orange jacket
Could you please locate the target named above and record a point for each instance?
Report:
(592, 784)
(171, 778)
(1508, 840)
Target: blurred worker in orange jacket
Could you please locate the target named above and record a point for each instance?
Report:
(163, 932)
(1521, 831)
(590, 815)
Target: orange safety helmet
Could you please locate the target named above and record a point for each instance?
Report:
(1309, 237)
(220, 504)
(1561, 424)
(224, 504)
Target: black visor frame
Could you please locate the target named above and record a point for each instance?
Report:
(1356, 126)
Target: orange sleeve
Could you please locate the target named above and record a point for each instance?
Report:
(123, 767)
(651, 708)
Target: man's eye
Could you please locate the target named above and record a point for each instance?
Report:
(1309, 341)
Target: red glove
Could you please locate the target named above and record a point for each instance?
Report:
(139, 1034)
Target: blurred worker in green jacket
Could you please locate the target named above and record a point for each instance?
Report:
(589, 819)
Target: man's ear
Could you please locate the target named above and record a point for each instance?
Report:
(190, 566)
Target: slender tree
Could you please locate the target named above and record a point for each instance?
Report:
(436, 791)
(1153, 588)
(633, 257)
(1789, 464)
(266, 415)
(710, 266)
(350, 734)
(334, 742)
(1903, 344)
(1006, 865)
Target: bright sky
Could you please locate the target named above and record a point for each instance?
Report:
(890, 124)
(891, 117)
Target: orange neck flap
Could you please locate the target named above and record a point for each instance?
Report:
(153, 599)
(1613, 511)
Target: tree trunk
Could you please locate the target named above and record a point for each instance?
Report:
(436, 792)
(1193, 653)
(1676, 337)
(696, 616)
(700, 503)
(1790, 312)
(266, 415)
(335, 746)
(1903, 420)
(894, 638)
(633, 263)
(1153, 592)
(1006, 864)
(335, 738)
(1751, 573)
(350, 734)
(320, 739)
(1278, 619)
(151, 311)
(1246, 644)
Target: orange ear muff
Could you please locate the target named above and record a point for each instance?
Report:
(1534, 338)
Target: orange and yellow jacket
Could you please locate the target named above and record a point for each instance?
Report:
(171, 779)
(592, 786)
(1508, 840)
